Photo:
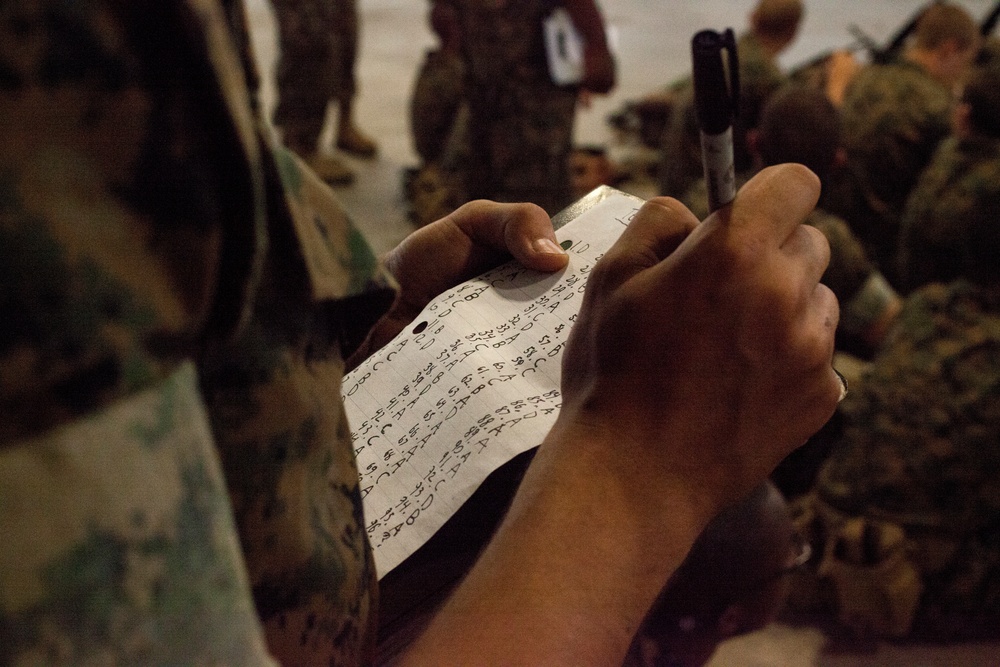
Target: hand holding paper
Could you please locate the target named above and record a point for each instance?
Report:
(475, 238)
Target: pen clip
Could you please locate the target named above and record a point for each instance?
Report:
(733, 70)
(716, 77)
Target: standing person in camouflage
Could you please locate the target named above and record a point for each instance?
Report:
(773, 26)
(894, 116)
(959, 189)
(520, 128)
(318, 43)
(439, 118)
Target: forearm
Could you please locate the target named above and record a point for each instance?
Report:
(573, 569)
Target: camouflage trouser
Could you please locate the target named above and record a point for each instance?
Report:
(318, 44)
(438, 93)
(433, 193)
(882, 578)
(520, 137)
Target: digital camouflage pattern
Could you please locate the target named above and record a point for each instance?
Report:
(520, 122)
(318, 46)
(920, 453)
(958, 191)
(438, 94)
(439, 119)
(156, 250)
(682, 165)
(893, 118)
(119, 541)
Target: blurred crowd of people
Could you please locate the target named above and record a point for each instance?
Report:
(897, 493)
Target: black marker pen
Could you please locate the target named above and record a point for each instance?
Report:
(716, 94)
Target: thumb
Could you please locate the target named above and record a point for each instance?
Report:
(523, 230)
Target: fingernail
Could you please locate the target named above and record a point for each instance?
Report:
(843, 385)
(547, 247)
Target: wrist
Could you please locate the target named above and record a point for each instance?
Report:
(623, 457)
(583, 552)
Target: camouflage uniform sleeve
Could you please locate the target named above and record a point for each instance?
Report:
(119, 542)
(849, 265)
(893, 118)
(143, 228)
(273, 394)
(959, 191)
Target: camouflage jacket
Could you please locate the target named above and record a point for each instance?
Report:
(177, 483)
(958, 191)
(921, 449)
(893, 117)
(502, 40)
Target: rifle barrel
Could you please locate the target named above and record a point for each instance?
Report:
(989, 22)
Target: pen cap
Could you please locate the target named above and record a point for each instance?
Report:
(716, 79)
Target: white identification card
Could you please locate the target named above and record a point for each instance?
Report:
(563, 48)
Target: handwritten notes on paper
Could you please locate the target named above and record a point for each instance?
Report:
(473, 382)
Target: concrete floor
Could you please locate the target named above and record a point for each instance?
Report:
(652, 39)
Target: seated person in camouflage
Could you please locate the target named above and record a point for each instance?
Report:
(177, 479)
(799, 124)
(904, 513)
(773, 26)
(989, 52)
(894, 116)
(959, 189)
(734, 581)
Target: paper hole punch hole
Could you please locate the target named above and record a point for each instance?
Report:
(420, 328)
(566, 245)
